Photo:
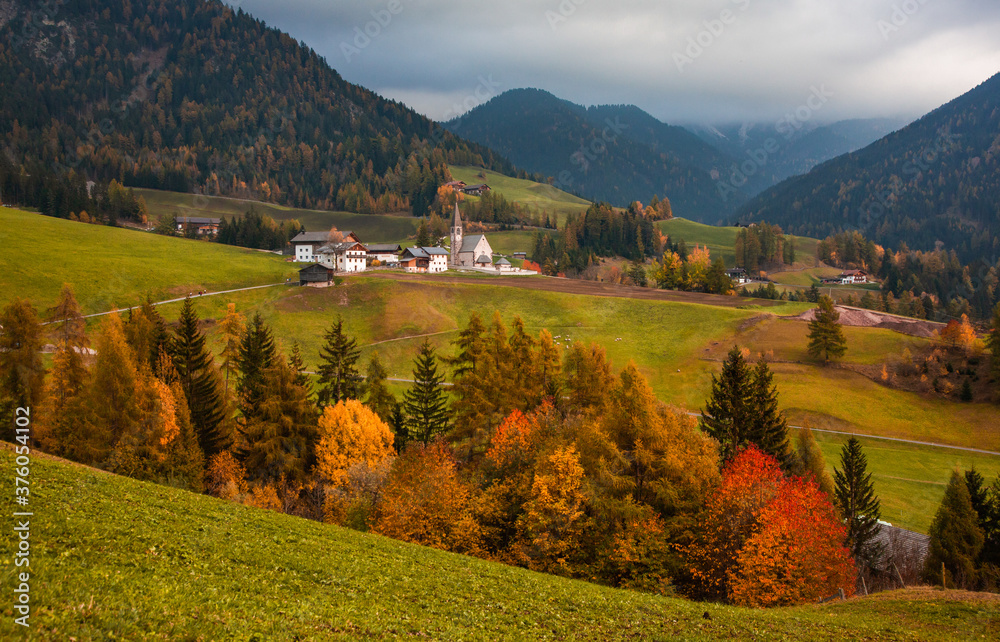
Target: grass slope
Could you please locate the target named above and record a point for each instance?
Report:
(534, 196)
(113, 558)
(721, 240)
(117, 267)
(369, 228)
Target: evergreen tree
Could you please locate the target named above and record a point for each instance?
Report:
(280, 437)
(768, 428)
(298, 365)
(859, 506)
(826, 337)
(809, 461)
(377, 395)
(256, 354)
(727, 415)
(423, 235)
(232, 330)
(338, 373)
(22, 374)
(399, 427)
(993, 343)
(425, 403)
(989, 521)
(146, 332)
(956, 539)
(66, 327)
(200, 381)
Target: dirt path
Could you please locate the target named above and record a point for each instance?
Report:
(590, 288)
(193, 296)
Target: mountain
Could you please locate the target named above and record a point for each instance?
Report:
(194, 96)
(936, 182)
(613, 153)
(799, 146)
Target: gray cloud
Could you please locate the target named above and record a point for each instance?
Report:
(683, 61)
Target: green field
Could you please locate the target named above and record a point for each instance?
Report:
(534, 196)
(113, 558)
(370, 228)
(116, 267)
(721, 241)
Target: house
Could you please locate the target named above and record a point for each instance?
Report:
(476, 190)
(315, 273)
(203, 225)
(466, 250)
(738, 276)
(853, 276)
(384, 253)
(503, 265)
(521, 255)
(306, 244)
(424, 259)
(346, 256)
(458, 186)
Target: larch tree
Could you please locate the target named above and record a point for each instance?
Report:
(146, 332)
(22, 373)
(859, 506)
(809, 461)
(377, 395)
(350, 433)
(66, 327)
(256, 355)
(955, 538)
(588, 376)
(993, 343)
(338, 373)
(426, 403)
(232, 329)
(826, 337)
(200, 381)
(298, 364)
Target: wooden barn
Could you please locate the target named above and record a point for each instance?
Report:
(315, 273)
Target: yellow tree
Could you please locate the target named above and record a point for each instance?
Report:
(698, 262)
(349, 432)
(232, 329)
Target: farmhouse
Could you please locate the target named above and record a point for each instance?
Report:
(346, 256)
(738, 276)
(456, 185)
(424, 259)
(315, 273)
(466, 251)
(848, 277)
(306, 244)
(202, 224)
(476, 190)
(384, 253)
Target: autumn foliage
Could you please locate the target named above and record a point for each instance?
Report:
(768, 540)
(349, 433)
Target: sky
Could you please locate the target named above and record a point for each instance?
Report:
(684, 62)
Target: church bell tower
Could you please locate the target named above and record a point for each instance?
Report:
(456, 236)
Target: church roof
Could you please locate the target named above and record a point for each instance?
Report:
(484, 259)
(503, 262)
(457, 222)
(469, 243)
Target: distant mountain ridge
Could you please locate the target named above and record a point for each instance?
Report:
(613, 153)
(935, 182)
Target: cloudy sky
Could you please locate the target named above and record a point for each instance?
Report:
(684, 61)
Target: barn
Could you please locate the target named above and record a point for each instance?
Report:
(315, 273)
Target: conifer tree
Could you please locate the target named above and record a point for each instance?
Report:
(280, 437)
(185, 463)
(146, 332)
(425, 403)
(826, 337)
(859, 506)
(200, 381)
(727, 414)
(588, 376)
(769, 428)
(956, 539)
(66, 327)
(22, 374)
(298, 364)
(993, 343)
(809, 461)
(232, 329)
(470, 347)
(256, 354)
(338, 373)
(377, 395)
(423, 235)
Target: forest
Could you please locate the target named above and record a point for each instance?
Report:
(561, 464)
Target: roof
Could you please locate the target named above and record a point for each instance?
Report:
(480, 186)
(318, 237)
(736, 271)
(469, 243)
(438, 251)
(484, 259)
(382, 248)
(457, 220)
(503, 262)
(197, 220)
(343, 246)
(313, 266)
(852, 273)
(416, 252)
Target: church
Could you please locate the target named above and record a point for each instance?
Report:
(469, 251)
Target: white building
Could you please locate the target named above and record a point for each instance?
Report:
(306, 244)
(465, 251)
(384, 253)
(346, 256)
(424, 259)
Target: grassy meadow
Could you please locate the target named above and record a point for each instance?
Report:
(721, 241)
(114, 558)
(534, 196)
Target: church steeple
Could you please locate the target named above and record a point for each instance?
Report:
(456, 235)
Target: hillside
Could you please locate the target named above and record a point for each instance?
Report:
(938, 179)
(196, 96)
(133, 560)
(721, 240)
(611, 153)
(532, 195)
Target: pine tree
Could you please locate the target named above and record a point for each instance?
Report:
(423, 235)
(256, 354)
(146, 332)
(425, 403)
(727, 415)
(298, 364)
(956, 539)
(377, 395)
(338, 373)
(826, 337)
(280, 437)
(859, 506)
(200, 381)
(768, 427)
(22, 374)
